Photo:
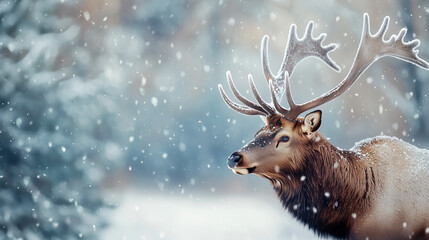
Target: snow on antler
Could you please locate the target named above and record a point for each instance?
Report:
(297, 49)
(371, 48)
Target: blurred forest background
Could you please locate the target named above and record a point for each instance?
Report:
(112, 127)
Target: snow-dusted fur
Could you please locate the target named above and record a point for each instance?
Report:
(400, 201)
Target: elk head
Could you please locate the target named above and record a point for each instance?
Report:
(281, 145)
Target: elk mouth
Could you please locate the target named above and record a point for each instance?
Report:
(243, 171)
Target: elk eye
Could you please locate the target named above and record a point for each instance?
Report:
(284, 139)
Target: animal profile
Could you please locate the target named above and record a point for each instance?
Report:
(379, 189)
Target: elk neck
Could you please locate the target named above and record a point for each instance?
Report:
(330, 188)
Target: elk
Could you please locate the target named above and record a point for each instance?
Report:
(378, 189)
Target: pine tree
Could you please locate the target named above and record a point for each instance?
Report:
(57, 124)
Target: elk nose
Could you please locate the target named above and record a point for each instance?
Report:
(234, 159)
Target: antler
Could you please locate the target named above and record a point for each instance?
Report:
(296, 50)
(251, 108)
(371, 48)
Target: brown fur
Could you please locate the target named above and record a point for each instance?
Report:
(333, 191)
(348, 187)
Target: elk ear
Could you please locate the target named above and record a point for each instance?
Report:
(312, 122)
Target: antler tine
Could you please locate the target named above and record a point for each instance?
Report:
(239, 96)
(383, 28)
(264, 54)
(289, 98)
(270, 110)
(239, 108)
(277, 105)
(279, 108)
(371, 48)
(400, 35)
(309, 29)
(395, 46)
(298, 49)
(405, 51)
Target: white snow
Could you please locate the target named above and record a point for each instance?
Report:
(87, 16)
(208, 216)
(360, 144)
(179, 55)
(314, 210)
(231, 21)
(418, 157)
(369, 80)
(277, 168)
(143, 81)
(206, 68)
(182, 146)
(337, 124)
(154, 101)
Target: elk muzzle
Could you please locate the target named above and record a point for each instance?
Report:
(234, 162)
(234, 159)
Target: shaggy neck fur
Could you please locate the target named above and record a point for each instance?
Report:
(329, 191)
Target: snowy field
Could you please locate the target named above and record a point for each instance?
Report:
(147, 216)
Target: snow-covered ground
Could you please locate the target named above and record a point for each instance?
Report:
(207, 216)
